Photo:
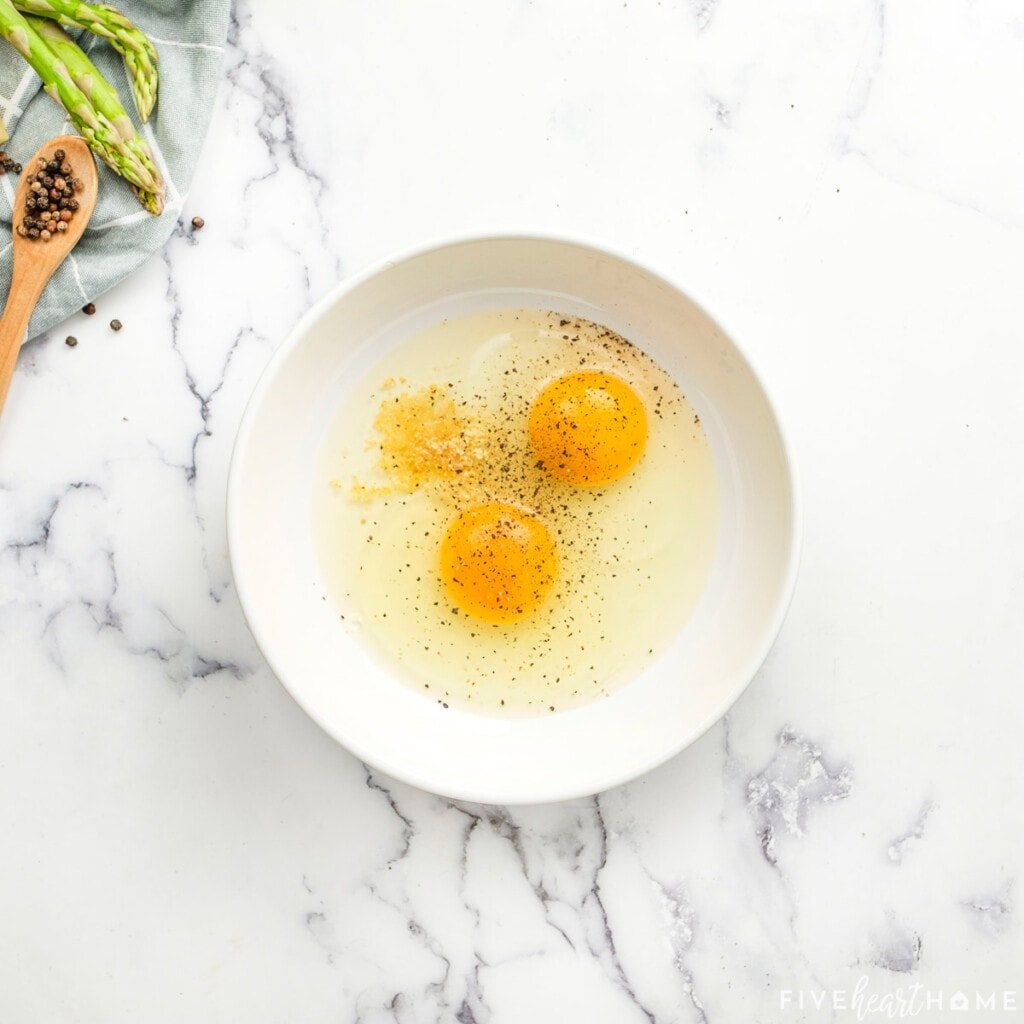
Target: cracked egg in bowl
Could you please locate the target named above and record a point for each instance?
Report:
(500, 496)
(512, 518)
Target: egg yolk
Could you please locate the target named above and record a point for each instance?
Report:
(498, 562)
(588, 428)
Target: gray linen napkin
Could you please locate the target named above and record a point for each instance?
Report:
(189, 37)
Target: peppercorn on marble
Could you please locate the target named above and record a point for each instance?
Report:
(841, 183)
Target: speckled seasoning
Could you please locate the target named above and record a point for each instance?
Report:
(517, 510)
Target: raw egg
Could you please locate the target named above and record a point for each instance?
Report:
(498, 562)
(515, 510)
(588, 428)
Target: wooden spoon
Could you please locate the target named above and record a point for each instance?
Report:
(36, 260)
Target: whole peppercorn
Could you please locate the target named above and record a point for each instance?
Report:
(89, 308)
(116, 325)
(49, 206)
(198, 223)
(71, 341)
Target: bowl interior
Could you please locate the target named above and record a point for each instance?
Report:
(345, 689)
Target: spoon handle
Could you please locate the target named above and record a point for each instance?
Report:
(27, 283)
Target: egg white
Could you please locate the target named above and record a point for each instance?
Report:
(634, 556)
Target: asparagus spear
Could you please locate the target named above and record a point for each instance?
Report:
(104, 100)
(102, 137)
(130, 41)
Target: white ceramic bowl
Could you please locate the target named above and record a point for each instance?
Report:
(384, 721)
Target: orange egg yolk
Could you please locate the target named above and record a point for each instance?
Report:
(498, 562)
(588, 428)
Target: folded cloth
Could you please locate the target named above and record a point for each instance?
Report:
(189, 36)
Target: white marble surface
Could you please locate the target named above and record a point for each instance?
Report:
(179, 843)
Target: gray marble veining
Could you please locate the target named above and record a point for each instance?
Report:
(841, 183)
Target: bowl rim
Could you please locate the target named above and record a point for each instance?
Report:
(601, 782)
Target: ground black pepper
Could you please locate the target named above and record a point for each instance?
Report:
(507, 469)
